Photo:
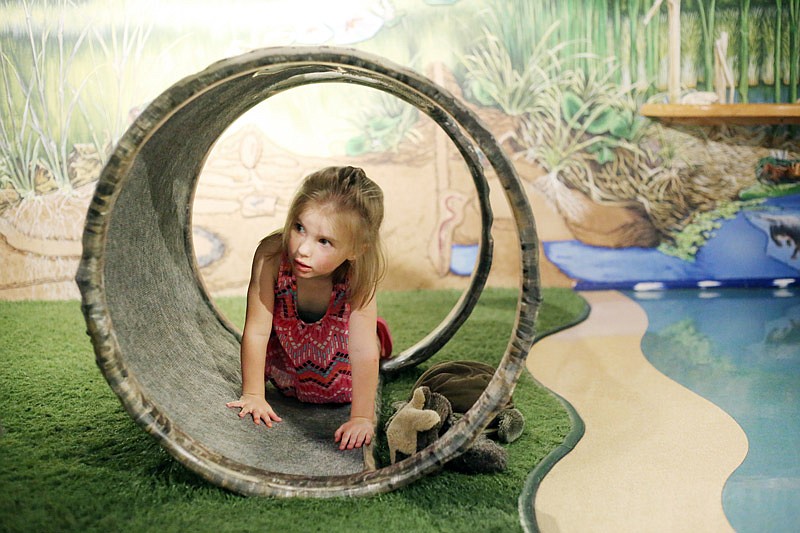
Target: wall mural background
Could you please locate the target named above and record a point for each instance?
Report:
(620, 200)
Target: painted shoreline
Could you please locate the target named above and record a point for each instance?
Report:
(654, 454)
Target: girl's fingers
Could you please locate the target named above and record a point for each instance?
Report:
(350, 441)
(342, 440)
(269, 417)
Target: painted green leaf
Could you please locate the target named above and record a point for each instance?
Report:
(610, 121)
(571, 105)
(605, 155)
(357, 145)
(480, 94)
(602, 122)
(625, 127)
(635, 125)
(379, 126)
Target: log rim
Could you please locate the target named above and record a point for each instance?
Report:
(447, 111)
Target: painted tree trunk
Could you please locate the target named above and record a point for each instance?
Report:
(618, 36)
(674, 50)
(744, 49)
(633, 24)
(707, 16)
(794, 48)
(777, 51)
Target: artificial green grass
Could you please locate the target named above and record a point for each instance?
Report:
(71, 459)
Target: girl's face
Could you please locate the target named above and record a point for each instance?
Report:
(317, 244)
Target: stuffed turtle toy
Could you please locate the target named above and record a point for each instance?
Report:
(441, 395)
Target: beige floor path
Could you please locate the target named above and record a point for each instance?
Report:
(655, 456)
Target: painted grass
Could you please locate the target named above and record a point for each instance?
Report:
(72, 460)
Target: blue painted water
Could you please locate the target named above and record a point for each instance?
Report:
(740, 349)
(740, 253)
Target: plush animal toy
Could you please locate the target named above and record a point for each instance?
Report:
(440, 397)
(411, 419)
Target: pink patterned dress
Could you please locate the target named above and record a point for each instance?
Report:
(309, 361)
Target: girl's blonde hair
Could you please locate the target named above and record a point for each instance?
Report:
(348, 192)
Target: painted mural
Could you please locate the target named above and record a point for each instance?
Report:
(621, 200)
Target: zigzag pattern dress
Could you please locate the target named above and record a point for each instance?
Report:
(309, 361)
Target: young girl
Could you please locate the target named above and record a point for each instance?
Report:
(311, 325)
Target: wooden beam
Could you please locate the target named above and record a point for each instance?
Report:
(717, 114)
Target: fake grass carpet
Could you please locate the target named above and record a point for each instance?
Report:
(71, 459)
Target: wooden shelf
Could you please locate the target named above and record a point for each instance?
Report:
(717, 114)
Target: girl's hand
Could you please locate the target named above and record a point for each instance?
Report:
(257, 406)
(354, 433)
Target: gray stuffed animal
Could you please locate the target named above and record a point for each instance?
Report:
(440, 397)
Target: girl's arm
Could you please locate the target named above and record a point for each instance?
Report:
(364, 360)
(257, 328)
